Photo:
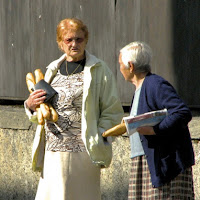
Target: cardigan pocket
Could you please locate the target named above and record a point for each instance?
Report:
(169, 167)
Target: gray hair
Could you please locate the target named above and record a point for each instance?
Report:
(140, 54)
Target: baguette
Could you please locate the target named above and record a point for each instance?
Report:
(45, 110)
(38, 75)
(30, 82)
(115, 131)
(54, 114)
(40, 116)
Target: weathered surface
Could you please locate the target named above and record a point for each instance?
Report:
(17, 181)
(194, 127)
(171, 28)
(13, 118)
(114, 180)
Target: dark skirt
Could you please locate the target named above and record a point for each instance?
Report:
(140, 186)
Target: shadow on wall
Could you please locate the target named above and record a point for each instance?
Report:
(118, 195)
(186, 50)
(16, 195)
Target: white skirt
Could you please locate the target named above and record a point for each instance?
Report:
(69, 176)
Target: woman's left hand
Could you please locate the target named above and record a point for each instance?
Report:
(146, 130)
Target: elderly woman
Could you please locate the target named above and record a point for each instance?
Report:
(87, 104)
(162, 155)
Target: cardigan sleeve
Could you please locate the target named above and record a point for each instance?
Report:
(163, 95)
(111, 111)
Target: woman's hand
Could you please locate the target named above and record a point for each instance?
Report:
(35, 99)
(146, 130)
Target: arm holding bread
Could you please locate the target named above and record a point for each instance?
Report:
(35, 101)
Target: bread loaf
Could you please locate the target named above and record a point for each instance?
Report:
(40, 116)
(30, 82)
(115, 131)
(54, 114)
(38, 75)
(45, 110)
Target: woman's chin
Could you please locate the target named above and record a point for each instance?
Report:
(77, 57)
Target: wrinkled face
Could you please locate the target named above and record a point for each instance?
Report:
(125, 71)
(74, 44)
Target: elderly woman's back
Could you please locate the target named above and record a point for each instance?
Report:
(163, 154)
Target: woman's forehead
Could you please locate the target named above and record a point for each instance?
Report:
(73, 33)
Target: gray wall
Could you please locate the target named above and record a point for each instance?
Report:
(171, 27)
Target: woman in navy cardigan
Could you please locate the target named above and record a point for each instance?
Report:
(162, 155)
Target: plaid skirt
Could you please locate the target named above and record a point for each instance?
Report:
(140, 186)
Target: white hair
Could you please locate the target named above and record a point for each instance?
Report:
(139, 53)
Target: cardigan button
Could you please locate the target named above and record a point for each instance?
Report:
(141, 140)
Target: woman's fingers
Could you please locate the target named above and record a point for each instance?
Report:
(38, 93)
(35, 99)
(146, 130)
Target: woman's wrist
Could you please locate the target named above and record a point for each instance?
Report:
(29, 106)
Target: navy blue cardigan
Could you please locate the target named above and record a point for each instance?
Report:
(170, 151)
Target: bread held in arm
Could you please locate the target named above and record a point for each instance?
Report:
(30, 82)
(44, 110)
(54, 114)
(38, 75)
(40, 116)
(115, 131)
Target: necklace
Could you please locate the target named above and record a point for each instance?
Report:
(75, 68)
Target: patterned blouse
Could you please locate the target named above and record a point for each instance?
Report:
(65, 134)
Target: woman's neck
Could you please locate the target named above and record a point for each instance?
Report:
(138, 79)
(74, 59)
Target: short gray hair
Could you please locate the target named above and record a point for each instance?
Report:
(140, 54)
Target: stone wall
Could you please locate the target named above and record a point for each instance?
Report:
(18, 182)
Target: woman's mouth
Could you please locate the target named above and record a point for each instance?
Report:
(75, 49)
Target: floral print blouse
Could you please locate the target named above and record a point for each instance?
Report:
(65, 134)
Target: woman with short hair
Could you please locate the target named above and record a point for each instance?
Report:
(161, 156)
(87, 104)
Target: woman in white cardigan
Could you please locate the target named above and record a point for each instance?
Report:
(70, 152)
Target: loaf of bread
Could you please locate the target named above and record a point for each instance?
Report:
(45, 110)
(54, 114)
(30, 82)
(115, 131)
(38, 75)
(40, 116)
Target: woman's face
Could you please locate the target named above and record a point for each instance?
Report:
(74, 44)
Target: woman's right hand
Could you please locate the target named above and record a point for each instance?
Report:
(35, 99)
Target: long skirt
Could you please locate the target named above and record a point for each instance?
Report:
(140, 186)
(69, 176)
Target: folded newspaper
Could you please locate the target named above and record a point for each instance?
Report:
(146, 119)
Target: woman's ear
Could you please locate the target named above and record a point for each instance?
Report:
(131, 65)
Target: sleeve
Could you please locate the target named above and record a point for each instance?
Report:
(179, 114)
(111, 111)
(31, 115)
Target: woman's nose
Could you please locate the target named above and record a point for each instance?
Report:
(74, 42)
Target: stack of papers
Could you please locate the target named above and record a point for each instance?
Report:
(146, 119)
